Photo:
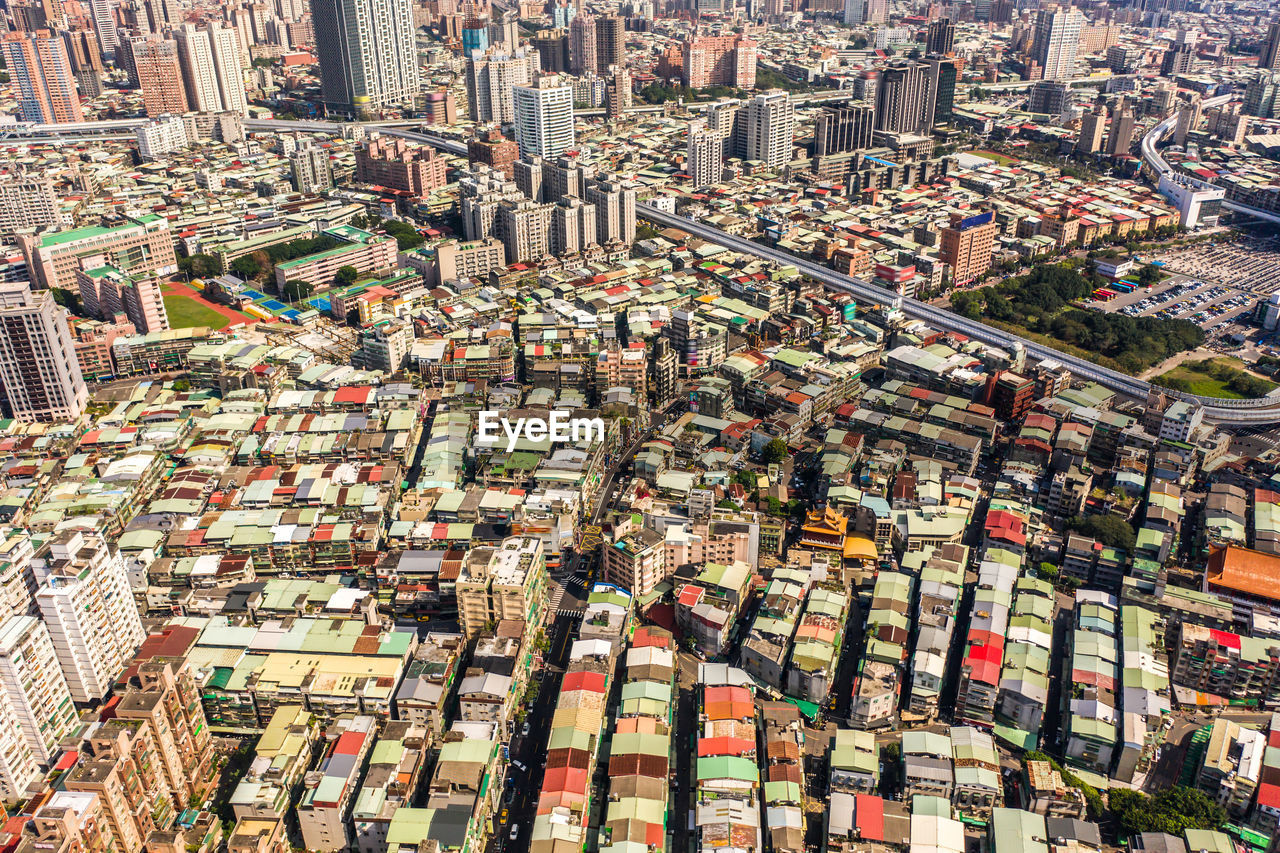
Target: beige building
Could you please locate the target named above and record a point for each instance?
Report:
(144, 245)
(35, 687)
(506, 582)
(636, 561)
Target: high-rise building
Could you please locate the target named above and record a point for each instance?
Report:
(106, 292)
(901, 98)
(368, 54)
(865, 11)
(525, 227)
(1057, 37)
(1120, 137)
(966, 245)
(39, 370)
(28, 202)
(394, 163)
(32, 680)
(104, 24)
(843, 127)
(159, 75)
(1270, 58)
(573, 226)
(544, 117)
(728, 60)
(615, 212)
(1177, 60)
(38, 63)
(770, 129)
(19, 769)
(310, 168)
(1048, 97)
(553, 50)
(705, 157)
(611, 41)
(491, 80)
(1188, 121)
(617, 86)
(493, 149)
(504, 30)
(940, 91)
(941, 38)
(88, 608)
(86, 61)
(1091, 127)
(583, 50)
(1260, 95)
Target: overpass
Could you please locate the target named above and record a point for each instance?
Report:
(1226, 413)
(1151, 156)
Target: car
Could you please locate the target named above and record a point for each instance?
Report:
(524, 730)
(520, 765)
(502, 816)
(515, 832)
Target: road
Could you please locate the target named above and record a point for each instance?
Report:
(1224, 413)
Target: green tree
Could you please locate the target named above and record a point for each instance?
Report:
(199, 266)
(346, 275)
(181, 385)
(297, 291)
(1111, 530)
(247, 267)
(775, 451)
(1149, 275)
(407, 237)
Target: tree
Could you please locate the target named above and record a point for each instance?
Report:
(181, 385)
(1111, 530)
(1149, 275)
(297, 291)
(199, 265)
(775, 451)
(407, 237)
(247, 267)
(1172, 810)
(1049, 572)
(346, 275)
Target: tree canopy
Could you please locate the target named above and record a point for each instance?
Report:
(1172, 811)
(1111, 530)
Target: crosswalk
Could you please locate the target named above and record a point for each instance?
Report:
(556, 605)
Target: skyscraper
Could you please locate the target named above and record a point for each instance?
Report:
(39, 370)
(719, 61)
(617, 87)
(1188, 121)
(88, 608)
(770, 127)
(310, 169)
(1057, 36)
(940, 91)
(704, 157)
(573, 226)
(901, 98)
(843, 127)
(210, 60)
(86, 61)
(47, 90)
(1177, 59)
(583, 53)
(544, 117)
(18, 767)
(553, 50)
(1270, 58)
(1091, 127)
(104, 24)
(1260, 95)
(27, 202)
(155, 63)
(491, 80)
(941, 38)
(368, 54)
(611, 42)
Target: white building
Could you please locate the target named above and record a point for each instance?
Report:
(29, 203)
(1180, 420)
(368, 54)
(88, 608)
(211, 70)
(544, 118)
(1057, 38)
(162, 136)
(19, 769)
(32, 681)
(770, 126)
(705, 155)
(1199, 203)
(39, 370)
(491, 78)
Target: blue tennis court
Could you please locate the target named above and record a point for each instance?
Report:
(320, 303)
(254, 295)
(275, 306)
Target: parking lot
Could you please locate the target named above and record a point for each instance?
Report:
(1252, 265)
(1213, 307)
